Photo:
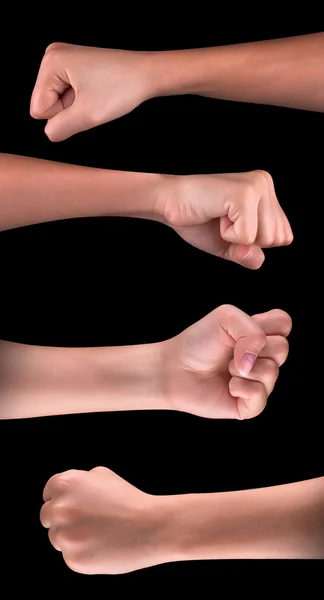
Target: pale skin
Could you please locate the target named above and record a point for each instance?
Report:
(80, 87)
(223, 366)
(104, 525)
(232, 215)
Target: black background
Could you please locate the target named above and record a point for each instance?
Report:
(110, 281)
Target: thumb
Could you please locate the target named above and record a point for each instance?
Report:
(251, 257)
(248, 337)
(66, 123)
(210, 342)
(240, 226)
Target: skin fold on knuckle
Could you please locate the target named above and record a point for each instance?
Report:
(270, 374)
(66, 480)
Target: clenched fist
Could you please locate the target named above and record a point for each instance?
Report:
(101, 523)
(231, 215)
(78, 88)
(226, 365)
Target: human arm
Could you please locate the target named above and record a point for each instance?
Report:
(232, 216)
(80, 87)
(283, 72)
(104, 525)
(198, 371)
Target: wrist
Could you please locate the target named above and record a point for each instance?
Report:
(175, 72)
(166, 531)
(134, 194)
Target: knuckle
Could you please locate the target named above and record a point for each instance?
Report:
(64, 513)
(226, 309)
(226, 315)
(51, 57)
(42, 515)
(99, 469)
(279, 240)
(94, 117)
(263, 177)
(262, 338)
(77, 561)
(59, 537)
(289, 238)
(53, 46)
(66, 479)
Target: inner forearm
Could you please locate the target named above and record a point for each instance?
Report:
(278, 522)
(285, 72)
(39, 381)
(35, 191)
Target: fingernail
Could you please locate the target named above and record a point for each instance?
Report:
(247, 362)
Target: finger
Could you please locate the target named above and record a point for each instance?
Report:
(45, 514)
(251, 257)
(251, 397)
(50, 85)
(266, 222)
(66, 123)
(289, 236)
(241, 225)
(265, 370)
(52, 535)
(276, 348)
(58, 483)
(274, 322)
(280, 232)
(249, 339)
(49, 488)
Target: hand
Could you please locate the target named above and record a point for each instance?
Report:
(233, 215)
(78, 87)
(226, 365)
(101, 523)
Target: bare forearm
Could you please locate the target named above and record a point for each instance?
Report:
(35, 191)
(278, 522)
(285, 72)
(39, 381)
